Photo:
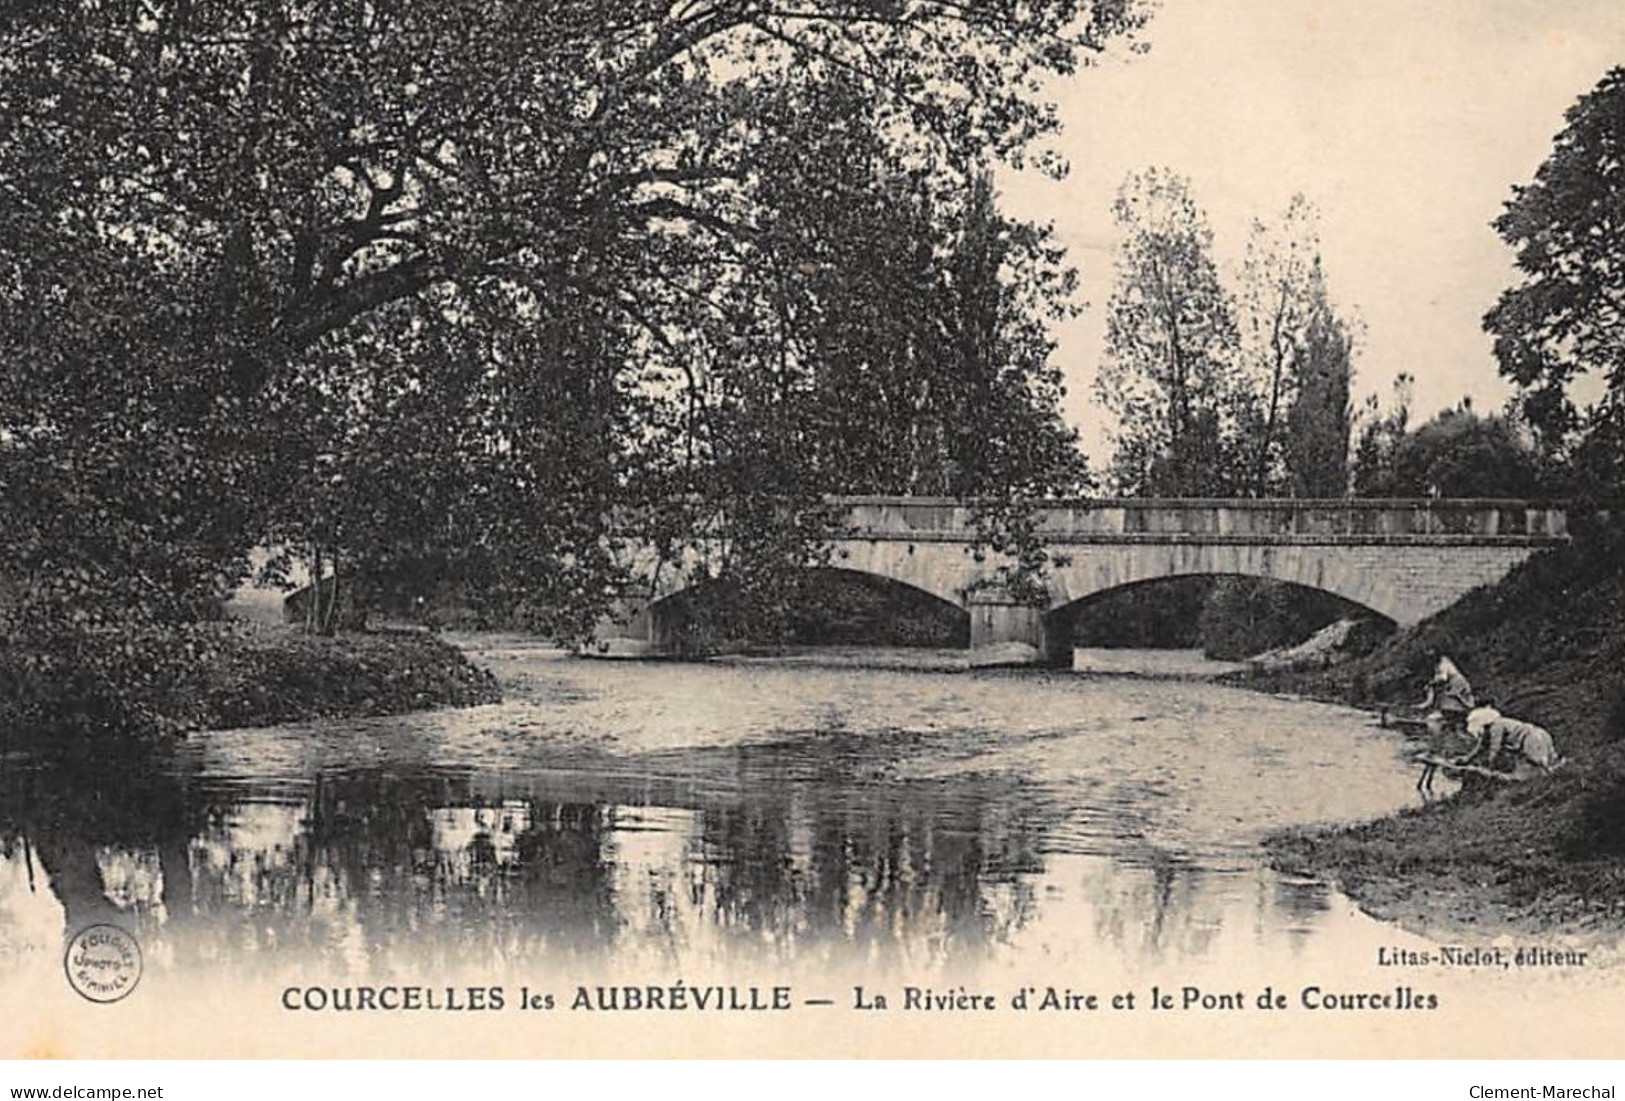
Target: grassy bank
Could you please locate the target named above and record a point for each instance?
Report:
(1548, 645)
(138, 686)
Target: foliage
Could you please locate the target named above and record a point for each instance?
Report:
(1171, 376)
(1380, 434)
(145, 683)
(93, 683)
(1596, 466)
(822, 607)
(1456, 454)
(862, 609)
(275, 676)
(1162, 614)
(905, 351)
(410, 472)
(1227, 617)
(1296, 358)
(1320, 422)
(1544, 644)
(1565, 320)
(1244, 616)
(435, 292)
(1221, 392)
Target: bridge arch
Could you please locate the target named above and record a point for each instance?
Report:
(944, 570)
(1092, 572)
(1177, 612)
(688, 587)
(836, 605)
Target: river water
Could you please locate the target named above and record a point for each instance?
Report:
(822, 829)
(703, 818)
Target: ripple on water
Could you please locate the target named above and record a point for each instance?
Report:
(706, 813)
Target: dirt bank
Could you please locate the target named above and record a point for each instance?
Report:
(123, 687)
(1547, 855)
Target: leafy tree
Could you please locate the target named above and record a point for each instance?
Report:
(332, 158)
(1171, 375)
(1242, 394)
(1163, 614)
(229, 222)
(1296, 356)
(416, 474)
(1244, 616)
(1319, 424)
(1380, 434)
(1566, 317)
(1221, 394)
(1596, 466)
(890, 339)
(122, 476)
(1460, 454)
(897, 328)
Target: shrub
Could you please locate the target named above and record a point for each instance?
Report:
(146, 684)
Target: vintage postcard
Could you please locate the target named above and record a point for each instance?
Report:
(849, 528)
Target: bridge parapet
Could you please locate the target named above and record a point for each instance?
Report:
(1427, 520)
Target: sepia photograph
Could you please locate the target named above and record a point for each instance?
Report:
(821, 529)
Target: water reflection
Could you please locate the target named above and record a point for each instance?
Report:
(935, 847)
(744, 856)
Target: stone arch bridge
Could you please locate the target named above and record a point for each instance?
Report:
(1403, 559)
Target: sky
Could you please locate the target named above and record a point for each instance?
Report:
(1406, 122)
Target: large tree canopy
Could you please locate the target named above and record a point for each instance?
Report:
(314, 161)
(246, 238)
(1566, 317)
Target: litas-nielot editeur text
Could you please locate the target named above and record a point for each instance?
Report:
(1498, 957)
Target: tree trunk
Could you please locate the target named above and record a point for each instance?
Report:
(313, 606)
(330, 621)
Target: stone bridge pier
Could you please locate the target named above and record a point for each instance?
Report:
(1007, 631)
(1402, 559)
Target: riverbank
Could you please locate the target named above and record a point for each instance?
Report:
(496, 648)
(136, 686)
(1543, 856)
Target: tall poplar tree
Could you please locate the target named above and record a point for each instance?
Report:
(1171, 378)
(1296, 357)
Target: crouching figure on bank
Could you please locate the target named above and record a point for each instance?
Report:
(1494, 733)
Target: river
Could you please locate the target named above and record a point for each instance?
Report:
(708, 818)
(830, 829)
